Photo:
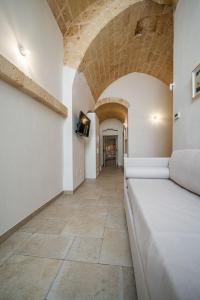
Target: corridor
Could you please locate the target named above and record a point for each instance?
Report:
(76, 248)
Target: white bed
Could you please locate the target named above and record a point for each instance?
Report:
(164, 230)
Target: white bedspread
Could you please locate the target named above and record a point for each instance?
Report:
(167, 221)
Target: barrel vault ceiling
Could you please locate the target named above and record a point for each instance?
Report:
(66, 11)
(108, 108)
(112, 111)
(107, 39)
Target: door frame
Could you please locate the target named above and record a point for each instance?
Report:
(104, 144)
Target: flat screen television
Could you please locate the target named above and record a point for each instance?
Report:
(83, 126)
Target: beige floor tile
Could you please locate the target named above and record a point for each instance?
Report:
(87, 202)
(85, 225)
(69, 198)
(85, 281)
(95, 211)
(51, 226)
(115, 248)
(129, 283)
(112, 193)
(116, 219)
(45, 245)
(92, 186)
(8, 247)
(85, 249)
(45, 226)
(89, 194)
(89, 188)
(83, 229)
(32, 226)
(110, 201)
(57, 211)
(85, 212)
(25, 277)
(116, 210)
(70, 202)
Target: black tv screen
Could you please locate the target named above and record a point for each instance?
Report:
(83, 126)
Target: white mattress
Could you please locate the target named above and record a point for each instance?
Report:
(167, 222)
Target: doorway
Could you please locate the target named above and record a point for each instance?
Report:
(110, 151)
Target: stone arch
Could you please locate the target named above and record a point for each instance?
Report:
(121, 101)
(108, 108)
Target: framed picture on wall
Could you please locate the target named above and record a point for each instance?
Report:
(196, 82)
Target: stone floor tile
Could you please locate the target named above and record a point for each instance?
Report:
(129, 283)
(31, 226)
(85, 281)
(110, 201)
(87, 202)
(25, 277)
(8, 247)
(95, 211)
(87, 231)
(45, 226)
(89, 194)
(57, 212)
(116, 219)
(51, 226)
(85, 225)
(85, 249)
(115, 248)
(45, 245)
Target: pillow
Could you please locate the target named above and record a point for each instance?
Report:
(184, 168)
(147, 172)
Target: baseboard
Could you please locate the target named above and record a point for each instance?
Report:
(68, 192)
(72, 192)
(8, 233)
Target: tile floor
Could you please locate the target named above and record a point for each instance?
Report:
(76, 248)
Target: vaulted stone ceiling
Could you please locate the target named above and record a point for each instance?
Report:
(112, 111)
(108, 108)
(66, 11)
(107, 39)
(138, 40)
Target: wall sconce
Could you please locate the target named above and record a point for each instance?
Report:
(172, 86)
(155, 119)
(23, 51)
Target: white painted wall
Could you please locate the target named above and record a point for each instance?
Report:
(146, 95)
(31, 166)
(68, 79)
(186, 58)
(30, 156)
(77, 97)
(92, 148)
(82, 100)
(116, 125)
(32, 24)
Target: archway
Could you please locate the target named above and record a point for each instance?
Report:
(112, 114)
(108, 108)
